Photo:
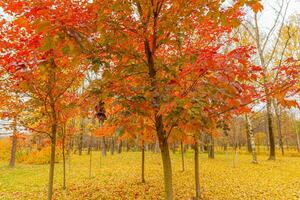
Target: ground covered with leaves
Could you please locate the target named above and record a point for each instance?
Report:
(118, 177)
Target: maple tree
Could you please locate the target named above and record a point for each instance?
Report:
(45, 60)
(151, 45)
(169, 70)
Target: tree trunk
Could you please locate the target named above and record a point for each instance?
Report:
(252, 139)
(270, 129)
(182, 156)
(90, 168)
(90, 153)
(13, 151)
(167, 168)
(156, 147)
(196, 160)
(80, 145)
(120, 147)
(278, 117)
(248, 139)
(112, 146)
(174, 147)
(69, 151)
(211, 152)
(13, 145)
(103, 146)
(64, 158)
(54, 124)
(298, 141)
(143, 162)
(127, 146)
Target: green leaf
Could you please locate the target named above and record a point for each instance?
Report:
(66, 49)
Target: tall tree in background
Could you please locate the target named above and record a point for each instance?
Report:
(274, 82)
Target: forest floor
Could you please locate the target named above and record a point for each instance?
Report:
(118, 177)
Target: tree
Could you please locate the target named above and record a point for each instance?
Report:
(252, 138)
(271, 58)
(149, 43)
(43, 58)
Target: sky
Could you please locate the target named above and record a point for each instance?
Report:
(266, 19)
(268, 15)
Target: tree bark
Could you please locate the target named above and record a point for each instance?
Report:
(156, 103)
(270, 130)
(174, 147)
(13, 151)
(127, 146)
(248, 139)
(143, 162)
(103, 146)
(211, 152)
(298, 140)
(90, 153)
(112, 146)
(156, 147)
(196, 160)
(167, 168)
(182, 156)
(278, 117)
(64, 157)
(80, 145)
(13, 145)
(53, 147)
(120, 147)
(252, 139)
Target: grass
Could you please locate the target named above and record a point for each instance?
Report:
(118, 177)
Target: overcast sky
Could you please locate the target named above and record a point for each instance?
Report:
(268, 15)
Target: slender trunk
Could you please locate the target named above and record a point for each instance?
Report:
(13, 151)
(297, 137)
(64, 159)
(182, 156)
(252, 139)
(112, 146)
(270, 129)
(156, 147)
(103, 146)
(69, 153)
(159, 126)
(52, 162)
(90, 153)
(286, 135)
(235, 158)
(278, 117)
(266, 89)
(248, 138)
(196, 160)
(298, 141)
(174, 147)
(226, 149)
(167, 168)
(127, 146)
(90, 168)
(89, 147)
(54, 125)
(143, 162)
(13, 145)
(80, 145)
(120, 147)
(211, 152)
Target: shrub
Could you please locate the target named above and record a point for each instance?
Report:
(39, 156)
